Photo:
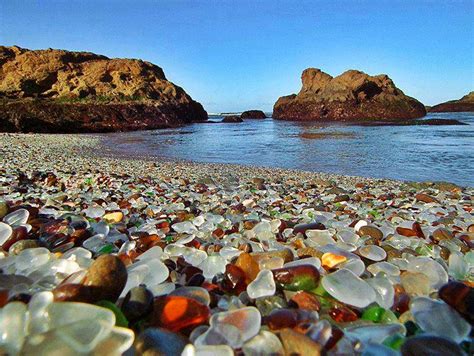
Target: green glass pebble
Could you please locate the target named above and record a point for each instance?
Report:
(388, 317)
(395, 341)
(319, 290)
(106, 250)
(412, 328)
(379, 315)
(373, 314)
(120, 319)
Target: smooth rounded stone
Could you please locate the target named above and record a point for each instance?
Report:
(198, 293)
(162, 289)
(265, 305)
(360, 224)
(371, 231)
(17, 217)
(385, 292)
(295, 343)
(158, 341)
(83, 337)
(348, 288)
(286, 254)
(263, 231)
(73, 292)
(237, 326)
(306, 300)
(5, 232)
(458, 266)
(428, 345)
(113, 217)
(316, 262)
(13, 322)
(460, 297)
(435, 272)
(60, 314)
(21, 245)
(439, 319)
(156, 252)
(271, 263)
(318, 238)
(442, 234)
(185, 227)
(95, 243)
(384, 267)
(38, 313)
(32, 258)
(373, 253)
(415, 284)
(425, 198)
(108, 276)
(176, 313)
(157, 271)
(330, 260)
(207, 350)
(94, 212)
(213, 265)
(194, 257)
(137, 303)
(3, 209)
(77, 253)
(262, 286)
(354, 265)
(295, 278)
(374, 333)
(100, 228)
(265, 343)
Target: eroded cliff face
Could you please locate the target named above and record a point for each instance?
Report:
(351, 96)
(62, 91)
(465, 104)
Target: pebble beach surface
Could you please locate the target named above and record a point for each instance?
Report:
(109, 255)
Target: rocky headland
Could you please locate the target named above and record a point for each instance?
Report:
(351, 96)
(62, 91)
(466, 103)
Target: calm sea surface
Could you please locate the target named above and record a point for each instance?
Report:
(401, 152)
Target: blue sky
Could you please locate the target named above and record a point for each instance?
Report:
(236, 55)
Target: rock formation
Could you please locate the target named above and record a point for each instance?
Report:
(253, 114)
(466, 103)
(62, 91)
(351, 96)
(232, 119)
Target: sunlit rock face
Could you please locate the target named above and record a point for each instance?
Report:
(466, 103)
(351, 96)
(61, 91)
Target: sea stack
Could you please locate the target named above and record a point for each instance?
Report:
(253, 114)
(351, 96)
(61, 91)
(465, 104)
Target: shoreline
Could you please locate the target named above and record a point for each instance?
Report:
(127, 245)
(94, 147)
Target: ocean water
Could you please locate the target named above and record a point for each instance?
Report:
(415, 153)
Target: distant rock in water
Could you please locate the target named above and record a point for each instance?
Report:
(351, 96)
(232, 119)
(62, 91)
(466, 103)
(253, 114)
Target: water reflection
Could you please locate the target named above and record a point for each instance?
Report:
(400, 152)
